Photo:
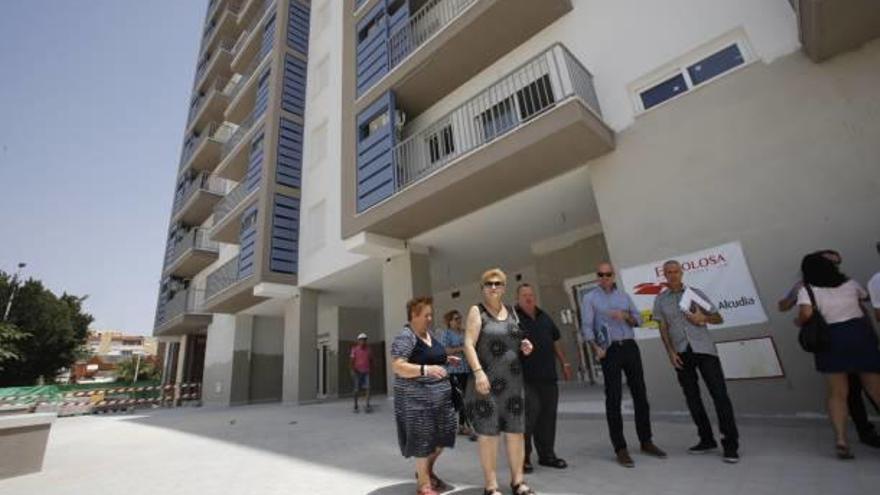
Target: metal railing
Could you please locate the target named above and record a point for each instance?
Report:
(222, 278)
(530, 90)
(233, 8)
(196, 238)
(231, 201)
(422, 25)
(202, 69)
(197, 104)
(201, 182)
(251, 27)
(191, 145)
(187, 301)
(247, 75)
(243, 129)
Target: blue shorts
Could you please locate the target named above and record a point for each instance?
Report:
(361, 381)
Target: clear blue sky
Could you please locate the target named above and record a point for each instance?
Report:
(93, 101)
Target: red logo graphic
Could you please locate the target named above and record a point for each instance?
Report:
(649, 288)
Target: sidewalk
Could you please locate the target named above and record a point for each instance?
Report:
(326, 449)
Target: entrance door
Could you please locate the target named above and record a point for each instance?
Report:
(323, 354)
(590, 368)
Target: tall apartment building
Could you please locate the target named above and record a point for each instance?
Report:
(444, 137)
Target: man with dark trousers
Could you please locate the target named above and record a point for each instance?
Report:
(608, 316)
(539, 374)
(683, 313)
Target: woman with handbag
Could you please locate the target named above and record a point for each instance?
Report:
(494, 345)
(453, 340)
(834, 327)
(422, 395)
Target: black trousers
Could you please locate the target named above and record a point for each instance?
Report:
(709, 367)
(857, 410)
(624, 358)
(542, 401)
(461, 381)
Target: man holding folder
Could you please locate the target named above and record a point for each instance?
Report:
(608, 316)
(683, 313)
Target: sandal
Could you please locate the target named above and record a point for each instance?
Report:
(437, 484)
(843, 453)
(492, 491)
(426, 490)
(521, 488)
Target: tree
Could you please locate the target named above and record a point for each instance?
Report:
(10, 336)
(54, 330)
(147, 370)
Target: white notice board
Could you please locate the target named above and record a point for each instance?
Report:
(749, 359)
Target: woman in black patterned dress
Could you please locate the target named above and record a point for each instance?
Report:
(495, 400)
(423, 409)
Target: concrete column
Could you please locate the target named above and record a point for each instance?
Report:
(181, 360)
(403, 277)
(300, 341)
(227, 360)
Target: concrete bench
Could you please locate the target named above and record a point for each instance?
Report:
(23, 440)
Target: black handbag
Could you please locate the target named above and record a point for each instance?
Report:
(814, 335)
(457, 396)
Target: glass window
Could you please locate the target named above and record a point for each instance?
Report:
(667, 89)
(715, 64)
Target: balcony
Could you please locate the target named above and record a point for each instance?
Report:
(203, 152)
(220, 26)
(250, 41)
(209, 106)
(228, 290)
(829, 28)
(215, 64)
(244, 93)
(181, 314)
(446, 42)
(190, 254)
(227, 213)
(535, 123)
(234, 156)
(195, 203)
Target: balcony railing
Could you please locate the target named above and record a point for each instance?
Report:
(193, 144)
(243, 129)
(188, 301)
(222, 278)
(196, 238)
(247, 75)
(224, 45)
(230, 202)
(220, 86)
(202, 182)
(233, 7)
(424, 23)
(251, 27)
(529, 91)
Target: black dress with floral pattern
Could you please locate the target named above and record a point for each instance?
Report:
(503, 410)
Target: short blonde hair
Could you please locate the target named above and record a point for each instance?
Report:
(492, 273)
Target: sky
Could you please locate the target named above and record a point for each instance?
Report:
(93, 102)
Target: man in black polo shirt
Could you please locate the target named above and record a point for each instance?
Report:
(539, 373)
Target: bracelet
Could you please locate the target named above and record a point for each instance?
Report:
(478, 369)
(422, 370)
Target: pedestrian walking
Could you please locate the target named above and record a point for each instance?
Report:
(360, 361)
(453, 341)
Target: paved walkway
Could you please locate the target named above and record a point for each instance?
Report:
(325, 449)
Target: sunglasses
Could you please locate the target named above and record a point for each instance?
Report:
(605, 274)
(492, 284)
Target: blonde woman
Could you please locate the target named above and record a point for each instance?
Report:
(494, 346)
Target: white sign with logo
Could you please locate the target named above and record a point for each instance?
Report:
(720, 272)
